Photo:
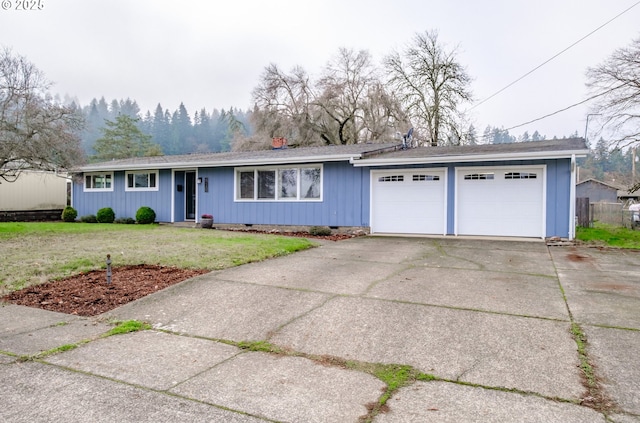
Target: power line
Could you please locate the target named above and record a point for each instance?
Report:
(569, 107)
(553, 57)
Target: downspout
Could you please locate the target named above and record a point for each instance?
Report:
(572, 199)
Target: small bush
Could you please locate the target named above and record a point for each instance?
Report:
(145, 215)
(106, 215)
(125, 220)
(319, 231)
(90, 218)
(69, 214)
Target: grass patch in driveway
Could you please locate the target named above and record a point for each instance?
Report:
(37, 252)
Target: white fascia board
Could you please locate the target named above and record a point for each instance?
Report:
(536, 155)
(225, 163)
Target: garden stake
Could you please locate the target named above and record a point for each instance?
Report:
(108, 269)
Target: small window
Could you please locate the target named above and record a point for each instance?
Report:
(520, 175)
(478, 176)
(141, 181)
(418, 178)
(266, 184)
(391, 178)
(98, 182)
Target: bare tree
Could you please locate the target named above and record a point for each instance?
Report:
(431, 84)
(283, 105)
(348, 104)
(616, 82)
(35, 131)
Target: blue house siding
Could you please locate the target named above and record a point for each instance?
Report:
(126, 203)
(341, 203)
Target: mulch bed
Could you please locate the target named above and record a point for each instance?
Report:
(88, 294)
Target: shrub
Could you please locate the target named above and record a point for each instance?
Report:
(69, 214)
(90, 218)
(145, 215)
(106, 215)
(319, 231)
(125, 220)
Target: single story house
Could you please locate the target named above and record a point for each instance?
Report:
(597, 191)
(521, 189)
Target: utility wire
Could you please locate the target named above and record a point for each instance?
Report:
(563, 109)
(550, 59)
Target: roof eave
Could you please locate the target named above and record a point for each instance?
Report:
(224, 163)
(535, 155)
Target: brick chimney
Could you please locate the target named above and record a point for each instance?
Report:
(278, 143)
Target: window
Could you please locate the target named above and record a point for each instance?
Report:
(98, 182)
(391, 178)
(417, 178)
(279, 184)
(520, 175)
(141, 181)
(478, 176)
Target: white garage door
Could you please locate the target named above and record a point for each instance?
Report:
(500, 201)
(408, 201)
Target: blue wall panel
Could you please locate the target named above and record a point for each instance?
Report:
(126, 203)
(341, 204)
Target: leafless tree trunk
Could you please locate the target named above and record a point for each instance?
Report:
(617, 83)
(431, 84)
(35, 132)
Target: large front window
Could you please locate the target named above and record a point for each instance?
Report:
(142, 181)
(98, 182)
(302, 183)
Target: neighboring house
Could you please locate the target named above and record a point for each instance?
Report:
(34, 195)
(519, 189)
(602, 192)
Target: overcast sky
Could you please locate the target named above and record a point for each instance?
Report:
(211, 53)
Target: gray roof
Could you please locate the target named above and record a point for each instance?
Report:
(484, 152)
(369, 154)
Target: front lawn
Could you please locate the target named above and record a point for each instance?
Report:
(613, 236)
(32, 253)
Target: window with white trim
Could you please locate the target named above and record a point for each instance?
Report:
(284, 183)
(146, 180)
(418, 178)
(98, 181)
(478, 176)
(520, 175)
(391, 178)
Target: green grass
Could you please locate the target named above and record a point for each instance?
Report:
(128, 326)
(609, 235)
(37, 252)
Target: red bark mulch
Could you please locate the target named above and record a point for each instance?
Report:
(88, 294)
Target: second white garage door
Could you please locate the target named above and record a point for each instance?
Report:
(408, 201)
(504, 201)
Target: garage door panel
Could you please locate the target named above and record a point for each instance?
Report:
(408, 201)
(509, 204)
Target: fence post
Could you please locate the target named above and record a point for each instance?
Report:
(582, 210)
(108, 268)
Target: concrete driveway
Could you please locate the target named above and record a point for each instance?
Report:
(491, 331)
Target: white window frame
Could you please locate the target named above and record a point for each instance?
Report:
(140, 172)
(276, 169)
(93, 175)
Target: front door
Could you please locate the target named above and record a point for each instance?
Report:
(190, 195)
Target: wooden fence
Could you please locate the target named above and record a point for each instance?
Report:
(609, 213)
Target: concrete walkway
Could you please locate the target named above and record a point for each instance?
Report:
(484, 328)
